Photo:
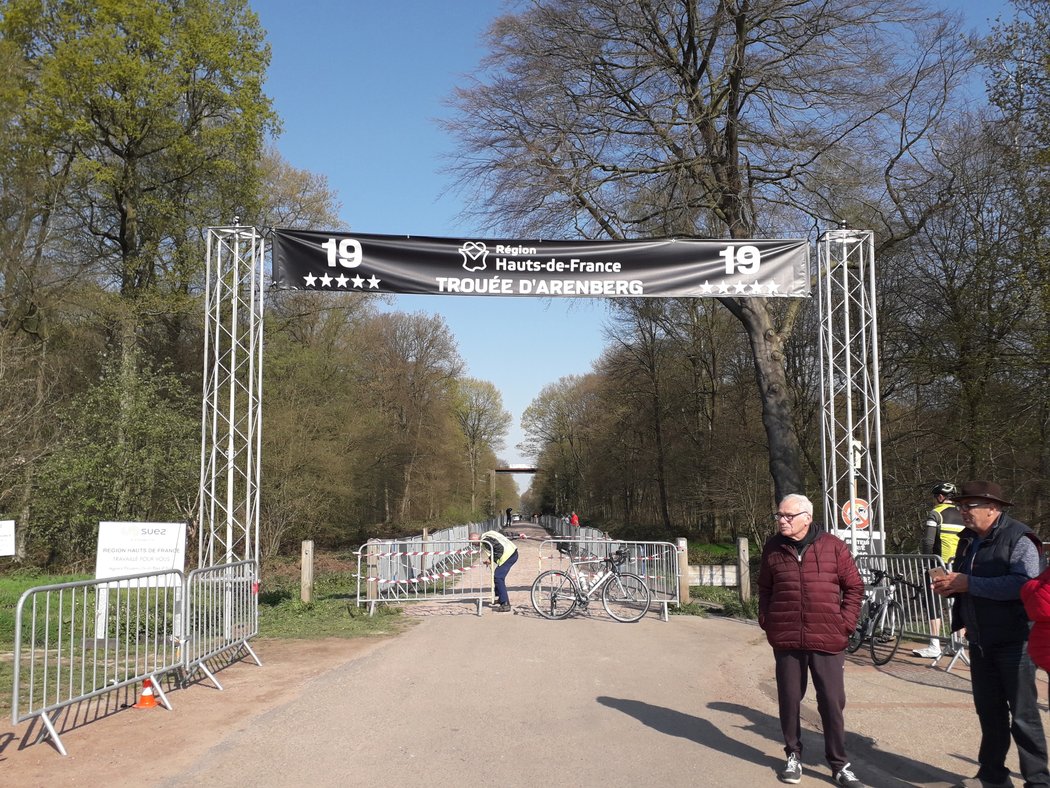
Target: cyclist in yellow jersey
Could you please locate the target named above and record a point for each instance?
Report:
(940, 536)
(503, 554)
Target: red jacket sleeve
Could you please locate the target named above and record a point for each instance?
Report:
(1036, 597)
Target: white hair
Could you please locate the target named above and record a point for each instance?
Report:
(804, 503)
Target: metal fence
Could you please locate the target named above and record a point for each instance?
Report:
(222, 613)
(445, 566)
(920, 606)
(75, 641)
(655, 562)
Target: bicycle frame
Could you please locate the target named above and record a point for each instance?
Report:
(586, 589)
(882, 618)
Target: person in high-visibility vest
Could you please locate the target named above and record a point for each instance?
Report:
(940, 536)
(503, 554)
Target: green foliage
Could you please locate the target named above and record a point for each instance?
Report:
(726, 601)
(689, 609)
(737, 609)
(714, 553)
(128, 451)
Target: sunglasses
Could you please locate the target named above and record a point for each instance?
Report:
(971, 505)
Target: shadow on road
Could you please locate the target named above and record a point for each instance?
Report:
(686, 726)
(876, 767)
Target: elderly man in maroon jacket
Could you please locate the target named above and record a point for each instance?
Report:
(809, 595)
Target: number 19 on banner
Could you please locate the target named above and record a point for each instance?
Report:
(344, 251)
(741, 259)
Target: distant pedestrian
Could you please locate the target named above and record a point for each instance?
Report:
(509, 512)
(574, 520)
(809, 595)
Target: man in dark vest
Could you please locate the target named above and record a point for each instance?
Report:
(996, 556)
(940, 536)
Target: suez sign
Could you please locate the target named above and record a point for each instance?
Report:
(655, 267)
(347, 253)
(134, 548)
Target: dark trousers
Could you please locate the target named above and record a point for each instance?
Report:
(499, 577)
(828, 670)
(1005, 697)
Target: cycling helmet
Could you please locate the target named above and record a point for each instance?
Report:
(947, 489)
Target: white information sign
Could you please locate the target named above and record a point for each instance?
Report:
(134, 548)
(7, 537)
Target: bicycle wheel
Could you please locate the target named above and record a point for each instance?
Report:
(856, 637)
(626, 597)
(554, 594)
(886, 633)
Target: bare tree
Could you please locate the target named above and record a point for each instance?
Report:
(600, 118)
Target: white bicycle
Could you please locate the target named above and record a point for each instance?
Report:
(625, 596)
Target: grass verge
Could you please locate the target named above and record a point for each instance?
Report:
(724, 601)
(332, 613)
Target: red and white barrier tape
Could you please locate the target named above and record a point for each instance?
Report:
(465, 551)
(423, 578)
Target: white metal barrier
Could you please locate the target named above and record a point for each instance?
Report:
(920, 606)
(655, 562)
(222, 614)
(420, 570)
(74, 641)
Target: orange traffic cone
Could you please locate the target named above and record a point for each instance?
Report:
(146, 699)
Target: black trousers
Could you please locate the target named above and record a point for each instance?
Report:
(793, 669)
(1005, 697)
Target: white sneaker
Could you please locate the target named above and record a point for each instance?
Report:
(930, 652)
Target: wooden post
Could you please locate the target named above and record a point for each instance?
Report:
(306, 588)
(683, 571)
(372, 571)
(743, 569)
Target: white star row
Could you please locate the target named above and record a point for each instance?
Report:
(341, 281)
(755, 288)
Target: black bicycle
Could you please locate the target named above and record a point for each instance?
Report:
(881, 617)
(625, 596)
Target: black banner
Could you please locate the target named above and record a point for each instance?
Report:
(661, 267)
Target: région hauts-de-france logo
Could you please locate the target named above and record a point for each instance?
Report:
(474, 253)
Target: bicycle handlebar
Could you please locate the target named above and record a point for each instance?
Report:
(881, 574)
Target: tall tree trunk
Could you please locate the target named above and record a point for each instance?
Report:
(767, 347)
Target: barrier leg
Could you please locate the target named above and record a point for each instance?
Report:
(249, 649)
(155, 683)
(46, 721)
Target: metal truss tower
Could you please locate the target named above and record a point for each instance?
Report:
(849, 358)
(231, 423)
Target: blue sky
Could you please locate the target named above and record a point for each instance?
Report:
(359, 86)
